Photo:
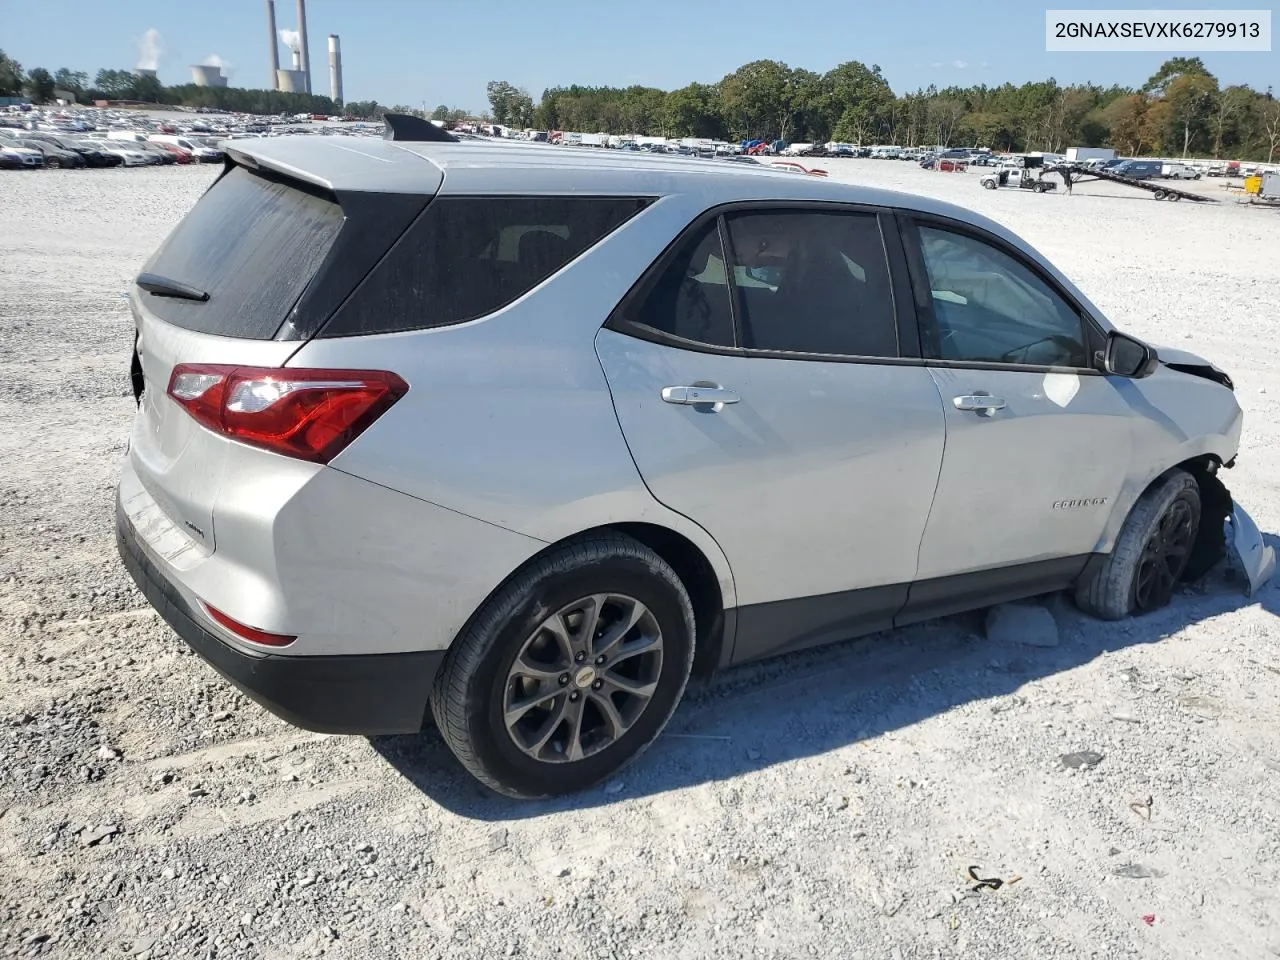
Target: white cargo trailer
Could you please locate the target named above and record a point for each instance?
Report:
(1081, 154)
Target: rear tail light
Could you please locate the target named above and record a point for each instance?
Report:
(252, 634)
(307, 414)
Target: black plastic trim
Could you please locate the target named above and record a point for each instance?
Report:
(943, 596)
(782, 626)
(369, 694)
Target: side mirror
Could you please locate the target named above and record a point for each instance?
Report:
(1128, 356)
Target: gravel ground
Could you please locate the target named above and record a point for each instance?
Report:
(824, 804)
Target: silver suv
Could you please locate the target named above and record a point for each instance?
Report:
(524, 436)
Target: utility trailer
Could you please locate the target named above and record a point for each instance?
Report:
(1073, 173)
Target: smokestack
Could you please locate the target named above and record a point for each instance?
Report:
(275, 44)
(335, 70)
(302, 39)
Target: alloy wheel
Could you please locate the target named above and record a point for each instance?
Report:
(583, 678)
(1164, 557)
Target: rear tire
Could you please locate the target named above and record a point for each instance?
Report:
(530, 644)
(1150, 554)
(988, 184)
(53, 164)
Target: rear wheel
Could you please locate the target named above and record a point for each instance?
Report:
(1160, 194)
(989, 184)
(569, 671)
(1150, 555)
(53, 163)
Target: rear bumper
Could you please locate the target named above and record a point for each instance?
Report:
(363, 694)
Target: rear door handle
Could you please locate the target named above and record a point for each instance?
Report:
(979, 403)
(689, 396)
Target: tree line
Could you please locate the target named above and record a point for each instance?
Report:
(1182, 110)
(39, 84)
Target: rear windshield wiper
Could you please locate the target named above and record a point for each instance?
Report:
(159, 286)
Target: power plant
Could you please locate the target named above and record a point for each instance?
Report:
(335, 70)
(298, 78)
(204, 75)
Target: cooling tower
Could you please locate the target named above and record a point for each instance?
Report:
(145, 72)
(335, 69)
(291, 81)
(205, 76)
(275, 43)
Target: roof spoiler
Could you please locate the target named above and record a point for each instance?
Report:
(407, 127)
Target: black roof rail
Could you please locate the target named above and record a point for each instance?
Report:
(406, 127)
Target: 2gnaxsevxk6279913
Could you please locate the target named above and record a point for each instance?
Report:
(522, 437)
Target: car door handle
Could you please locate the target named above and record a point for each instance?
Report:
(688, 396)
(979, 403)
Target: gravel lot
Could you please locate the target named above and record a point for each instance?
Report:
(825, 804)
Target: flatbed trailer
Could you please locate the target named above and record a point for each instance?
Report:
(1072, 174)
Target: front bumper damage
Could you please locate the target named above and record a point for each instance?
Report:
(1248, 555)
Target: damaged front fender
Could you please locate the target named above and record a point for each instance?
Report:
(1247, 552)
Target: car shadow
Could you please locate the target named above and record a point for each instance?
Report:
(800, 705)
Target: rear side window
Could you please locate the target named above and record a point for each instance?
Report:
(690, 299)
(253, 245)
(466, 257)
(813, 283)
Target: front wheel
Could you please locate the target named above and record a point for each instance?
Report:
(569, 670)
(989, 184)
(1150, 554)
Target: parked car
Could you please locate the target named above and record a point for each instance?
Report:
(23, 158)
(91, 153)
(180, 155)
(350, 490)
(10, 161)
(1179, 171)
(204, 150)
(54, 157)
(129, 154)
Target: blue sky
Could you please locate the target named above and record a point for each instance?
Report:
(444, 51)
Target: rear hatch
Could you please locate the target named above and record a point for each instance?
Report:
(253, 270)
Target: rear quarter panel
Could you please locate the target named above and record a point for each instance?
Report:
(509, 418)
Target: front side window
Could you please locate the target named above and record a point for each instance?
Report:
(988, 307)
(812, 282)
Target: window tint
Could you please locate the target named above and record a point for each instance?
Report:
(989, 307)
(465, 257)
(690, 299)
(812, 283)
(254, 244)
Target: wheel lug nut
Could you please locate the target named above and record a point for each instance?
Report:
(600, 659)
(597, 685)
(579, 657)
(564, 679)
(574, 696)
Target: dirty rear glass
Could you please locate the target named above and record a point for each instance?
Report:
(253, 244)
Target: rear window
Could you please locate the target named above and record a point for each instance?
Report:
(466, 257)
(253, 244)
